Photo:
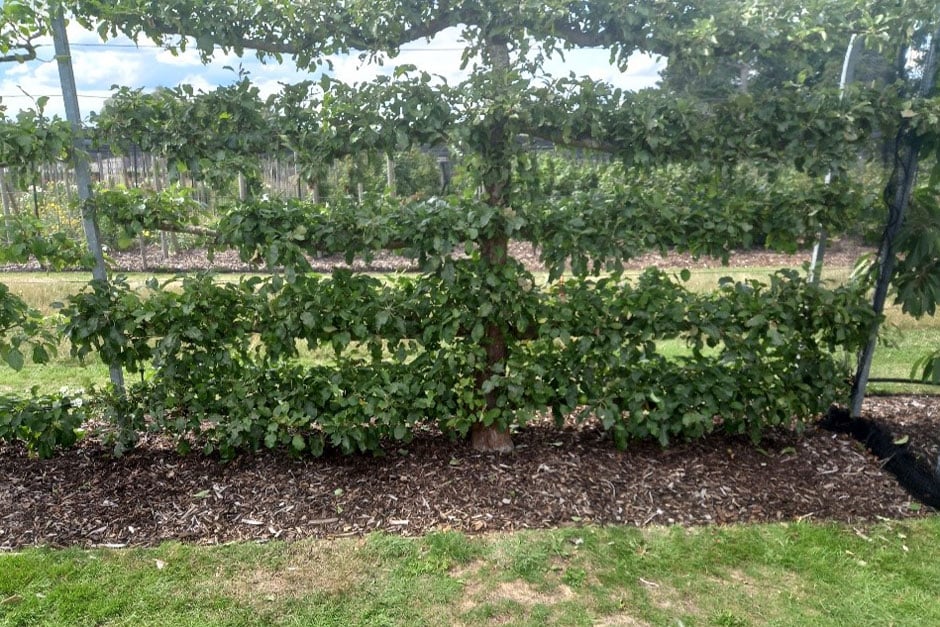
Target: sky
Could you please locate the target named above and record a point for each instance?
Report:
(100, 65)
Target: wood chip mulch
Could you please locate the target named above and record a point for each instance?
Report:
(556, 477)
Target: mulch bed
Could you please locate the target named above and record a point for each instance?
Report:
(556, 477)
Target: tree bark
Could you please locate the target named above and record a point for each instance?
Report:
(390, 186)
(492, 438)
(142, 246)
(495, 438)
(7, 206)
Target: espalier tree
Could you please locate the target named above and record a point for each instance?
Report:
(476, 342)
(44, 422)
(28, 140)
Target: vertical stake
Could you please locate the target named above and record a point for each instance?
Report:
(80, 160)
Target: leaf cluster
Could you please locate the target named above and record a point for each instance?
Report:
(210, 135)
(23, 328)
(692, 33)
(917, 274)
(404, 353)
(45, 423)
(585, 228)
(21, 25)
(31, 139)
(133, 211)
(28, 237)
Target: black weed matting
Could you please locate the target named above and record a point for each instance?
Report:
(913, 473)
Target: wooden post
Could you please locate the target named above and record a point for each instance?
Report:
(82, 172)
(7, 204)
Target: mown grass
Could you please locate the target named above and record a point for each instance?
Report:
(782, 574)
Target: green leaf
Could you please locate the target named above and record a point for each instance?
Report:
(756, 321)
(40, 355)
(448, 272)
(14, 359)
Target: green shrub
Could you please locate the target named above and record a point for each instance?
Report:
(43, 422)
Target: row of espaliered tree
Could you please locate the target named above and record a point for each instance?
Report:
(475, 343)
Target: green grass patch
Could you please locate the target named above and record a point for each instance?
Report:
(786, 574)
(55, 375)
(41, 289)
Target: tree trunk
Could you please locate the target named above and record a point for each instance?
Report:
(8, 196)
(490, 439)
(142, 246)
(494, 252)
(390, 175)
(7, 206)
(242, 187)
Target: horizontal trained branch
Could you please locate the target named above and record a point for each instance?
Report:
(400, 356)
(584, 230)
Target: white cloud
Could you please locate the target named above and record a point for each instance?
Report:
(350, 69)
(188, 58)
(22, 85)
(267, 86)
(119, 61)
(77, 34)
(199, 82)
(642, 70)
(106, 68)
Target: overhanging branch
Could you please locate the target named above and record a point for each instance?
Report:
(28, 54)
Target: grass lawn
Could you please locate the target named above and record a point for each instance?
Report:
(782, 574)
